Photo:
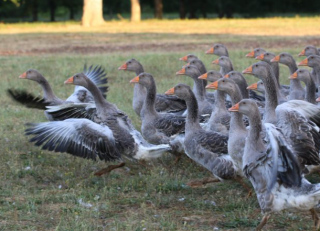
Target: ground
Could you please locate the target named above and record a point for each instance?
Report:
(41, 190)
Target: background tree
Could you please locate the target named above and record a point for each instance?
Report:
(158, 9)
(92, 13)
(135, 11)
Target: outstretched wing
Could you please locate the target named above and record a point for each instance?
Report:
(76, 110)
(27, 99)
(98, 76)
(78, 137)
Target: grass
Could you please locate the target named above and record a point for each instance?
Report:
(40, 190)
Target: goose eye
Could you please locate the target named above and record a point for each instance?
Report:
(129, 62)
(256, 65)
(311, 57)
(28, 72)
(223, 81)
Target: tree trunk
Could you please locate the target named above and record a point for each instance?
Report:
(135, 11)
(52, 6)
(182, 9)
(158, 9)
(35, 10)
(71, 16)
(92, 13)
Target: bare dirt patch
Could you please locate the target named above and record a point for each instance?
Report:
(119, 43)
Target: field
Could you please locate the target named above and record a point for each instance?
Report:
(40, 190)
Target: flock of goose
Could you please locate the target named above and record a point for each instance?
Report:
(271, 137)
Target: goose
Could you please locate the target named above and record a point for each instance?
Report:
(238, 78)
(258, 86)
(188, 58)
(267, 57)
(305, 76)
(313, 61)
(273, 170)
(163, 103)
(156, 128)
(205, 107)
(80, 94)
(218, 49)
(237, 131)
(207, 148)
(225, 63)
(199, 64)
(256, 52)
(309, 50)
(291, 117)
(296, 89)
(108, 134)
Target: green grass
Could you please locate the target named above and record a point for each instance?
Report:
(156, 197)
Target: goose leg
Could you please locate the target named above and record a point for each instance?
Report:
(264, 221)
(198, 183)
(245, 185)
(108, 169)
(315, 218)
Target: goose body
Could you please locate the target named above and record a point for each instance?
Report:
(273, 169)
(80, 94)
(163, 103)
(106, 117)
(156, 128)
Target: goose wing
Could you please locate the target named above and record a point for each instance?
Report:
(170, 124)
(165, 103)
(300, 134)
(98, 76)
(78, 137)
(28, 99)
(72, 110)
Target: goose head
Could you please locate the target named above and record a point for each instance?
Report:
(258, 86)
(145, 79)
(131, 65)
(245, 107)
(256, 52)
(236, 76)
(218, 49)
(302, 75)
(188, 58)
(267, 56)
(284, 58)
(309, 50)
(260, 70)
(211, 76)
(79, 79)
(181, 90)
(32, 75)
(189, 70)
(311, 61)
(224, 84)
(223, 61)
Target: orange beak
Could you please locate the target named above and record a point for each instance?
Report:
(135, 80)
(318, 99)
(234, 107)
(302, 53)
(210, 51)
(253, 86)
(227, 76)
(181, 72)
(216, 62)
(204, 76)
(184, 58)
(304, 62)
(170, 91)
(260, 57)
(213, 85)
(250, 54)
(123, 67)
(69, 81)
(293, 76)
(248, 70)
(275, 59)
(23, 76)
